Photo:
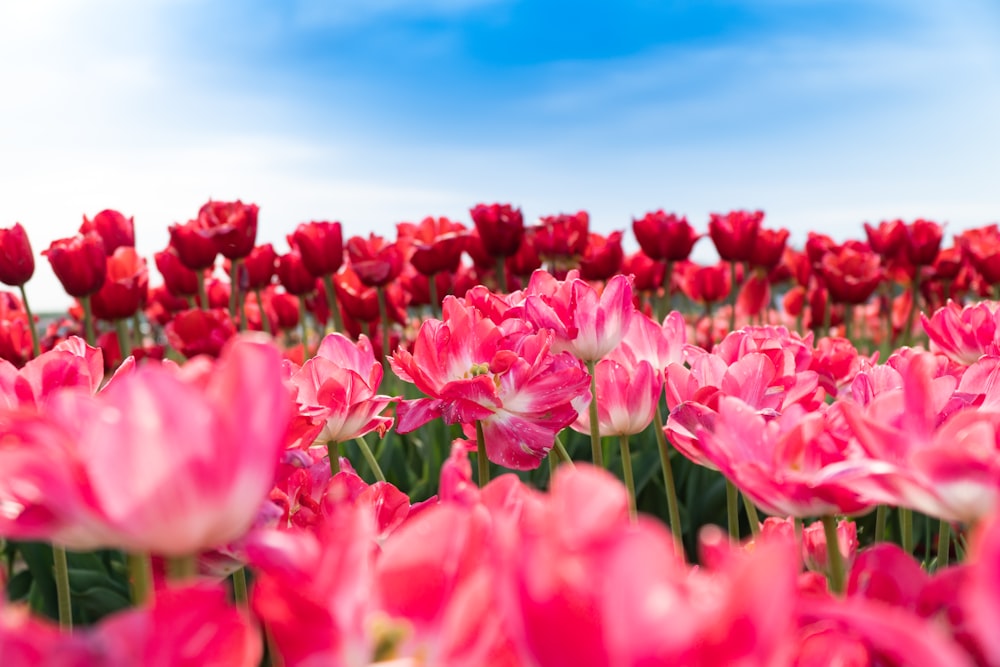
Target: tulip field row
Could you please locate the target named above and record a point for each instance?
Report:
(501, 443)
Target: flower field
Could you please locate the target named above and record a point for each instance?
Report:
(490, 443)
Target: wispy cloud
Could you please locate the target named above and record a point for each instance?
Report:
(351, 13)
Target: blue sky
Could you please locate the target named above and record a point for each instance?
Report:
(825, 114)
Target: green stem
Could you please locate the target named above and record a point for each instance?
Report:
(333, 452)
(124, 341)
(483, 462)
(140, 570)
(502, 275)
(432, 292)
(944, 544)
(733, 510)
(849, 322)
(240, 588)
(560, 449)
(752, 517)
(906, 530)
(61, 574)
(627, 472)
(732, 296)
(366, 451)
(553, 458)
(908, 334)
(265, 321)
(88, 321)
(331, 301)
(595, 426)
(673, 507)
(182, 568)
(303, 326)
(881, 512)
(834, 557)
(202, 292)
(235, 302)
(35, 349)
(383, 317)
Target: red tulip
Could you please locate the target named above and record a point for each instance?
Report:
(231, 225)
(79, 263)
(851, 272)
(769, 247)
(321, 246)
(124, 290)
(293, 274)
(647, 273)
(524, 262)
(259, 266)
(563, 235)
(17, 263)
(603, 257)
(15, 338)
(376, 261)
(664, 236)
(286, 307)
(437, 244)
(194, 245)
(500, 227)
(196, 331)
(887, 239)
(982, 247)
(706, 284)
(114, 229)
(179, 279)
(735, 234)
(923, 242)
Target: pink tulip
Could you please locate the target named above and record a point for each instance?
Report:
(71, 363)
(473, 369)
(980, 595)
(336, 390)
(814, 545)
(584, 322)
(964, 334)
(660, 345)
(626, 398)
(77, 475)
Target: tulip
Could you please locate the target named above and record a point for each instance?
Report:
(603, 257)
(196, 331)
(500, 228)
(437, 244)
(17, 263)
(852, 272)
(115, 230)
(79, 263)
(231, 225)
(888, 239)
(375, 261)
(194, 245)
(735, 234)
(124, 290)
(665, 236)
(563, 235)
(179, 279)
(768, 248)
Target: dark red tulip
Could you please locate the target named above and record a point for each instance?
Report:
(114, 229)
(769, 247)
(563, 235)
(232, 225)
(887, 239)
(321, 245)
(436, 243)
(948, 263)
(500, 227)
(194, 246)
(357, 300)
(647, 273)
(79, 263)
(664, 236)
(17, 262)
(524, 262)
(179, 279)
(603, 257)
(851, 272)
(923, 242)
(286, 307)
(195, 331)
(375, 260)
(161, 305)
(124, 290)
(735, 233)
(293, 274)
(706, 284)
(259, 266)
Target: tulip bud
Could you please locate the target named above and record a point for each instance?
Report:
(814, 551)
(321, 247)
(79, 263)
(114, 229)
(17, 263)
(500, 227)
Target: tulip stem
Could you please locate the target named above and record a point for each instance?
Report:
(235, 301)
(88, 320)
(732, 296)
(383, 317)
(265, 321)
(481, 459)
(673, 507)
(331, 301)
(61, 575)
(140, 570)
(240, 588)
(35, 349)
(836, 560)
(595, 426)
(333, 452)
(303, 326)
(124, 342)
(432, 296)
(906, 530)
(752, 517)
(908, 336)
(627, 473)
(733, 509)
(944, 544)
(202, 292)
(560, 449)
(501, 274)
(366, 451)
(182, 568)
(880, 518)
(553, 458)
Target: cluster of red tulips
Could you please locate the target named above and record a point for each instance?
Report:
(772, 460)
